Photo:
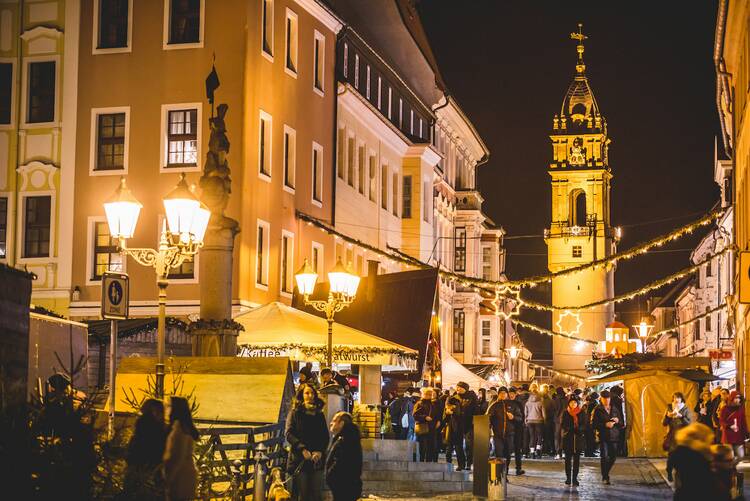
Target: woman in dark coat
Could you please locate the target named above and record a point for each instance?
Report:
(426, 420)
(307, 434)
(691, 458)
(572, 426)
(343, 467)
(703, 409)
(145, 451)
(482, 402)
(678, 415)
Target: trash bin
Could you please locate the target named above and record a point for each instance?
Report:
(498, 480)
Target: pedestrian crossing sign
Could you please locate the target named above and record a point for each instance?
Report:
(115, 296)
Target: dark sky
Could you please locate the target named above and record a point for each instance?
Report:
(650, 66)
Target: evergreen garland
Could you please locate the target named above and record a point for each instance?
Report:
(605, 363)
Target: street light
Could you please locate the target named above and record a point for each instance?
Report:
(343, 284)
(513, 352)
(644, 328)
(181, 237)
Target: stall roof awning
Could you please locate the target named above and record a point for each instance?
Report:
(276, 329)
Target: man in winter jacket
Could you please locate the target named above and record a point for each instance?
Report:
(550, 411)
(520, 428)
(505, 416)
(607, 420)
(396, 410)
(468, 410)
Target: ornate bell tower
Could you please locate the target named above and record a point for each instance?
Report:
(580, 230)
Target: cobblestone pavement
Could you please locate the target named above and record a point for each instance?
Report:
(632, 480)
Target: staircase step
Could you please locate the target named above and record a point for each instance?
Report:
(425, 476)
(406, 466)
(415, 485)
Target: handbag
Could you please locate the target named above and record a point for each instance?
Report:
(421, 429)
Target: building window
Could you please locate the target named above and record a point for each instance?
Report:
(36, 235)
(290, 156)
(3, 227)
(6, 92)
(426, 201)
(367, 83)
(319, 45)
(361, 174)
(390, 102)
(373, 178)
(380, 93)
(708, 270)
(317, 173)
(106, 255)
(459, 319)
(350, 161)
(185, 271)
(261, 254)
(486, 337)
(708, 320)
(267, 27)
(182, 138)
(384, 186)
(459, 249)
(341, 153)
(394, 186)
(287, 262)
(346, 60)
(291, 41)
(356, 71)
(406, 201)
(113, 24)
(264, 145)
(110, 141)
(316, 258)
(41, 90)
(184, 21)
(486, 263)
(577, 251)
(400, 113)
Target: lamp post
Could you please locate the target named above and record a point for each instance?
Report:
(181, 237)
(643, 329)
(343, 288)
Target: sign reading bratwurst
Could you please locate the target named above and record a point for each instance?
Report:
(348, 356)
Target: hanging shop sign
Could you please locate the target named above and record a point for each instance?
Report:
(720, 354)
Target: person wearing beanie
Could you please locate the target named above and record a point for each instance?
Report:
(608, 421)
(573, 424)
(469, 408)
(504, 418)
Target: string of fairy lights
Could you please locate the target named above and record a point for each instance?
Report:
(503, 293)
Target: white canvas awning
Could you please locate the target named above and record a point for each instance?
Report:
(453, 372)
(278, 330)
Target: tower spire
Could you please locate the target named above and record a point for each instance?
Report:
(580, 65)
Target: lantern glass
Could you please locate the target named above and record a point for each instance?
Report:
(181, 206)
(200, 223)
(122, 211)
(339, 280)
(306, 278)
(513, 352)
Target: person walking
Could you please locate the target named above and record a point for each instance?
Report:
(504, 417)
(678, 415)
(560, 406)
(703, 409)
(535, 418)
(607, 421)
(452, 433)
(396, 411)
(519, 428)
(143, 479)
(572, 427)
(589, 434)
(438, 402)
(550, 411)
(410, 400)
(618, 400)
(426, 421)
(469, 408)
(692, 458)
(343, 463)
(307, 434)
(734, 425)
(180, 474)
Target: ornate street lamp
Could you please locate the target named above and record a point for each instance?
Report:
(343, 284)
(513, 352)
(181, 237)
(644, 328)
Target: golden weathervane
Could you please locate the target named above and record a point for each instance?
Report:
(580, 67)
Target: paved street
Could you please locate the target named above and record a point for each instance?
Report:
(632, 480)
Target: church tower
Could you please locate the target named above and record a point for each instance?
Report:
(580, 230)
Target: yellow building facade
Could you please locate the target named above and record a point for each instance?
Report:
(580, 230)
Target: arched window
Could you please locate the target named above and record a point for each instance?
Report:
(578, 208)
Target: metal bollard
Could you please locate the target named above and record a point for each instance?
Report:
(498, 480)
(259, 475)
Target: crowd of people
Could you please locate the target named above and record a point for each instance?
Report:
(527, 422)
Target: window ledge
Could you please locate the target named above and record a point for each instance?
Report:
(285, 294)
(266, 55)
(317, 203)
(264, 177)
(179, 46)
(262, 287)
(40, 125)
(112, 172)
(290, 72)
(111, 50)
(318, 92)
(289, 189)
(165, 169)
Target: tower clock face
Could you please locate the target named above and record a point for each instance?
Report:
(577, 154)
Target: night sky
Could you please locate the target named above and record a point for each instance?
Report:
(650, 66)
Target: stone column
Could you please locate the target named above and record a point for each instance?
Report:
(215, 334)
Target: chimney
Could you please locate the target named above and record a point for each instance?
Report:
(372, 272)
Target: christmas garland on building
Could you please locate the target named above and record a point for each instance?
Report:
(320, 352)
(629, 362)
(676, 328)
(206, 324)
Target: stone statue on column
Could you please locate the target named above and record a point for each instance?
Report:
(215, 333)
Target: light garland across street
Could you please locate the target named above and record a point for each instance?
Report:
(676, 328)
(548, 332)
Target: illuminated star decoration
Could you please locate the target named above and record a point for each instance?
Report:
(507, 293)
(569, 323)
